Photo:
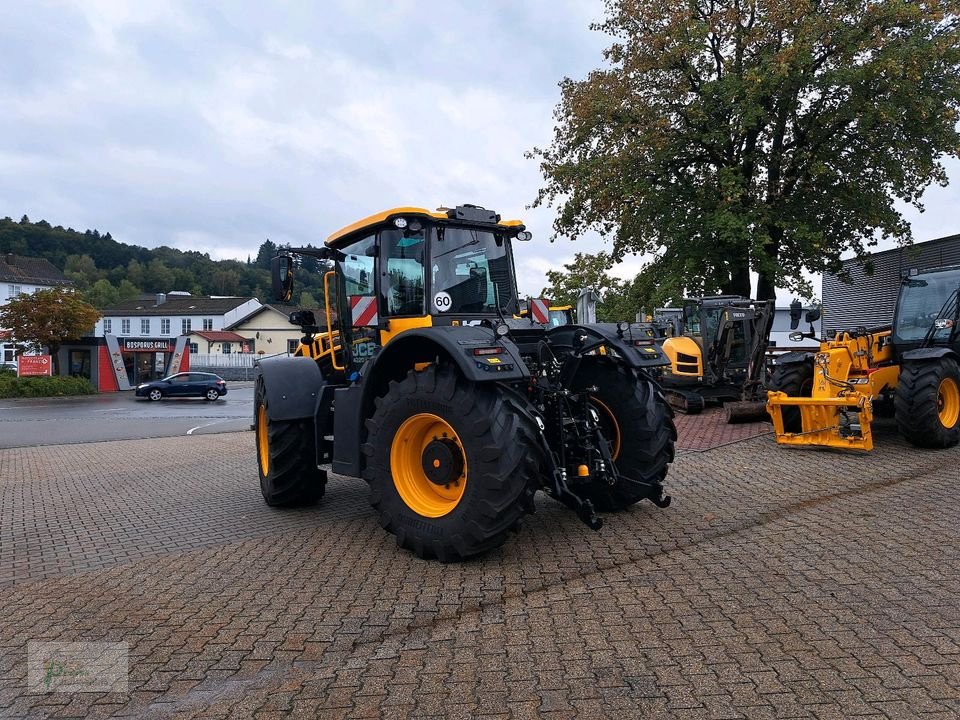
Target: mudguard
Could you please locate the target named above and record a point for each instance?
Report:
(794, 356)
(458, 342)
(292, 385)
(929, 353)
(637, 350)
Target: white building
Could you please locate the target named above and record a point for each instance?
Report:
(147, 335)
(172, 315)
(19, 274)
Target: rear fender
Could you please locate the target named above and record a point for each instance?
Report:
(457, 344)
(636, 350)
(794, 356)
(930, 353)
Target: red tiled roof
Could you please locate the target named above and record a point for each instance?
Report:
(219, 336)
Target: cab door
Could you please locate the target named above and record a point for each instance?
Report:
(402, 281)
(358, 303)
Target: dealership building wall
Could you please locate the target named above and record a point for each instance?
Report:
(870, 298)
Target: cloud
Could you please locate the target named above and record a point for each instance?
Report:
(212, 128)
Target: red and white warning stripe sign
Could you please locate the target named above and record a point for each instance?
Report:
(363, 310)
(540, 310)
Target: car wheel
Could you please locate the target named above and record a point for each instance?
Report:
(212, 394)
(155, 394)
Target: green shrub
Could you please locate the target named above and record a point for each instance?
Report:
(12, 386)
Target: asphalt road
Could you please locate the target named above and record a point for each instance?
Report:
(120, 416)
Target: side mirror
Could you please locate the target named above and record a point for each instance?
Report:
(796, 312)
(813, 315)
(796, 336)
(281, 272)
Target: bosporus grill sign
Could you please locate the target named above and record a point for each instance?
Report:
(131, 344)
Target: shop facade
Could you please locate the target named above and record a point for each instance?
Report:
(114, 363)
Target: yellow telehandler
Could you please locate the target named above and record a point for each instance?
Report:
(829, 398)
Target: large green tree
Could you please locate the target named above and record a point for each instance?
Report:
(725, 136)
(49, 318)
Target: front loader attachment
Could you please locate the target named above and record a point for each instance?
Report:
(838, 422)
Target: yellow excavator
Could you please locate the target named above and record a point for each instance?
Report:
(829, 398)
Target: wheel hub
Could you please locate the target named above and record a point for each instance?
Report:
(442, 461)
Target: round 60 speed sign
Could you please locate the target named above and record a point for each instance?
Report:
(442, 302)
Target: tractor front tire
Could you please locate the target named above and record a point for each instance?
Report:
(452, 465)
(796, 380)
(286, 458)
(637, 422)
(927, 403)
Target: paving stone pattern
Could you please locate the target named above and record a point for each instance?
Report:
(781, 583)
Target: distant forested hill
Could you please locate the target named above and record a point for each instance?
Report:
(107, 271)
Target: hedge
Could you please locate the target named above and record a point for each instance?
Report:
(12, 386)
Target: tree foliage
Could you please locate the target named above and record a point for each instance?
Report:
(592, 271)
(107, 271)
(730, 135)
(49, 318)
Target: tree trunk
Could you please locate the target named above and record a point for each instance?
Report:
(766, 290)
(54, 351)
(739, 283)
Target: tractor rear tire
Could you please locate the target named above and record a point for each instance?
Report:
(286, 458)
(796, 380)
(927, 403)
(436, 426)
(638, 423)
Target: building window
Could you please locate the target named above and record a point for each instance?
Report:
(144, 326)
(164, 326)
(193, 349)
(185, 326)
(125, 326)
(13, 291)
(226, 348)
(208, 323)
(107, 326)
(292, 346)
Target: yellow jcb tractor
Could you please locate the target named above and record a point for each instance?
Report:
(454, 412)
(720, 357)
(829, 398)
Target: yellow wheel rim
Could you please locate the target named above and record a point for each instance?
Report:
(263, 441)
(609, 425)
(948, 402)
(411, 450)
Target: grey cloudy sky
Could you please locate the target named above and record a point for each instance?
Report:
(211, 127)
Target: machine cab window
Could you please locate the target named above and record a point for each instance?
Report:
(403, 253)
(469, 269)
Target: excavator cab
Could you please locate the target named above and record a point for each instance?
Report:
(719, 356)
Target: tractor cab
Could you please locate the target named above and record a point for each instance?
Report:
(406, 268)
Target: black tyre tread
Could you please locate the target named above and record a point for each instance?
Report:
(915, 403)
(503, 461)
(648, 433)
(294, 479)
(790, 379)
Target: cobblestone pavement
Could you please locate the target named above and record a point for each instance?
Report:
(780, 583)
(710, 430)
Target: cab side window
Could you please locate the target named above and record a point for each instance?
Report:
(359, 267)
(404, 273)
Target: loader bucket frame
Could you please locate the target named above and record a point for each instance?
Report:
(825, 422)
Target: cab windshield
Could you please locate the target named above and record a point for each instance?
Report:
(924, 299)
(470, 272)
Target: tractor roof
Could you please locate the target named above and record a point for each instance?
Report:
(464, 214)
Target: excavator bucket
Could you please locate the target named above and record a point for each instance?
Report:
(838, 422)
